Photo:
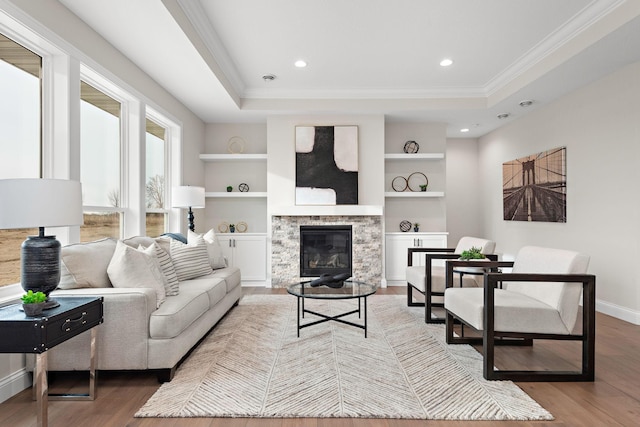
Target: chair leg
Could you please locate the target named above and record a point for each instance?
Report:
(428, 309)
(410, 301)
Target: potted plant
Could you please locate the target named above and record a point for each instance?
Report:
(473, 253)
(33, 302)
(232, 228)
(229, 189)
(423, 187)
(416, 227)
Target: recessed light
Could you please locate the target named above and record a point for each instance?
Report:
(446, 62)
(464, 130)
(268, 77)
(525, 103)
(300, 63)
(503, 116)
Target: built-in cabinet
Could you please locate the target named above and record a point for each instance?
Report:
(396, 246)
(248, 252)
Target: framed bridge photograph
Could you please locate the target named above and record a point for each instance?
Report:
(534, 188)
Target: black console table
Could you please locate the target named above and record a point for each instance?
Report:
(22, 334)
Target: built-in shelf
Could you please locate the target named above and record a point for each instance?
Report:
(237, 194)
(416, 156)
(414, 194)
(231, 157)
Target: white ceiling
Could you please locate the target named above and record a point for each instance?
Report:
(370, 56)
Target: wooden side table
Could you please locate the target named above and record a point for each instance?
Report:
(23, 334)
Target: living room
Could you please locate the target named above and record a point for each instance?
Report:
(596, 122)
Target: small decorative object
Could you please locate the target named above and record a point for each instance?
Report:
(411, 147)
(241, 227)
(243, 187)
(232, 228)
(223, 227)
(33, 303)
(235, 145)
(473, 253)
(229, 189)
(416, 227)
(405, 225)
(417, 180)
(330, 280)
(399, 183)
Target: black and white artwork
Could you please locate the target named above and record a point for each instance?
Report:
(326, 165)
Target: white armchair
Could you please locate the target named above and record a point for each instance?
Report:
(539, 299)
(429, 280)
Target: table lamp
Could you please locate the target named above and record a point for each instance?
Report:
(36, 202)
(188, 197)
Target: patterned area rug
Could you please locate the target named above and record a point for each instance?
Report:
(253, 365)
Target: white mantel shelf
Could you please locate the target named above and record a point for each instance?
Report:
(337, 210)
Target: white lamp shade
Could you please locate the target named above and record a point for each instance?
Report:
(35, 202)
(187, 197)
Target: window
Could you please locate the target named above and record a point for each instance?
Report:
(100, 154)
(20, 137)
(155, 182)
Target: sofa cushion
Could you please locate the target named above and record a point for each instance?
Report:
(146, 241)
(171, 284)
(216, 257)
(230, 275)
(133, 268)
(215, 287)
(178, 312)
(84, 265)
(190, 260)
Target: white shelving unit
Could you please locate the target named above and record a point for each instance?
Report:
(417, 194)
(236, 194)
(231, 157)
(416, 156)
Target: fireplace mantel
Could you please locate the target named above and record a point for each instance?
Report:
(334, 210)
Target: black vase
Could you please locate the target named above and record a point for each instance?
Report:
(40, 265)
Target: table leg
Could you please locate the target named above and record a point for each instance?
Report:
(365, 299)
(365, 315)
(298, 315)
(40, 379)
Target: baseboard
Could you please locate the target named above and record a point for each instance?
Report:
(14, 384)
(619, 312)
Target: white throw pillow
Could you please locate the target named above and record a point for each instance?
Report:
(84, 265)
(190, 260)
(171, 285)
(133, 268)
(216, 257)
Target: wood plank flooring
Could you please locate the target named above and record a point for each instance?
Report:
(612, 400)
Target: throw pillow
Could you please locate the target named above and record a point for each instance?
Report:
(190, 260)
(214, 250)
(84, 265)
(133, 268)
(171, 286)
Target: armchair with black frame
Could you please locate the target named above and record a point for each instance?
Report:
(539, 299)
(429, 280)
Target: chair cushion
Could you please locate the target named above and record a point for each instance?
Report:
(417, 277)
(466, 243)
(514, 312)
(564, 297)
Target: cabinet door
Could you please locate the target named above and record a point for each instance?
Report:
(396, 247)
(226, 243)
(250, 256)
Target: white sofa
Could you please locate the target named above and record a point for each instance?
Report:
(139, 331)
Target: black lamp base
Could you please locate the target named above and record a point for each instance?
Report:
(40, 265)
(192, 226)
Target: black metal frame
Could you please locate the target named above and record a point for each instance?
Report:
(431, 254)
(491, 337)
(324, 318)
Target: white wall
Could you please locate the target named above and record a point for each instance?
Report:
(53, 19)
(600, 126)
(464, 210)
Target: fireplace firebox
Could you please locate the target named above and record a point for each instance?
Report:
(325, 249)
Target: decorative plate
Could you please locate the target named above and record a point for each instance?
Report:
(405, 225)
(399, 183)
(243, 187)
(241, 227)
(411, 147)
(235, 145)
(223, 227)
(417, 179)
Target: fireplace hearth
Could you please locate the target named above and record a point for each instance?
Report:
(325, 249)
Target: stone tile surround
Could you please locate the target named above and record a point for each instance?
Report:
(366, 246)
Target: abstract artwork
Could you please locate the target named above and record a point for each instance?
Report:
(326, 165)
(534, 188)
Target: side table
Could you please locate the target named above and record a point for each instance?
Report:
(23, 334)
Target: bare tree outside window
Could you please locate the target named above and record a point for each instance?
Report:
(155, 192)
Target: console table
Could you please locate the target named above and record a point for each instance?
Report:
(23, 334)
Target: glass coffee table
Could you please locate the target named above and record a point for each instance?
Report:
(351, 289)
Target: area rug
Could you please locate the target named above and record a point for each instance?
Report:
(253, 365)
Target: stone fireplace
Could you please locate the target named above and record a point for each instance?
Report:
(366, 246)
(325, 249)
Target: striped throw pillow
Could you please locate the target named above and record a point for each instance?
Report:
(168, 270)
(191, 260)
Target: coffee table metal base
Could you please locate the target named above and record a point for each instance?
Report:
(362, 313)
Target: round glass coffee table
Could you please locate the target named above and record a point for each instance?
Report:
(350, 289)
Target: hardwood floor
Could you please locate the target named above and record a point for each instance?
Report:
(612, 400)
